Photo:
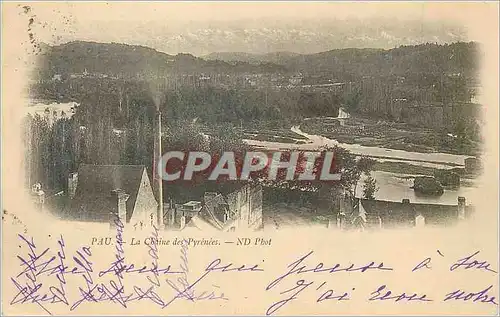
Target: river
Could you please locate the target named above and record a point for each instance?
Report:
(314, 142)
(392, 186)
(396, 187)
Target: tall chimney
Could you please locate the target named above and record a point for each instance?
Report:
(119, 211)
(461, 208)
(156, 177)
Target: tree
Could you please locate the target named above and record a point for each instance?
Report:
(350, 169)
(352, 101)
(363, 165)
(369, 187)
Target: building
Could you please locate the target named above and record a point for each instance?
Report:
(38, 196)
(238, 210)
(188, 210)
(53, 111)
(393, 214)
(473, 165)
(101, 193)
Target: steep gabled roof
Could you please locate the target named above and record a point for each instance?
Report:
(92, 200)
(209, 210)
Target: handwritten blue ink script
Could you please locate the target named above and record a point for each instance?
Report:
(58, 281)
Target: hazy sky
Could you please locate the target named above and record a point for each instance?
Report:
(204, 27)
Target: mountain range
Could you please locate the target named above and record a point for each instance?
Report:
(267, 35)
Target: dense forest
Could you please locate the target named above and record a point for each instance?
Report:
(125, 100)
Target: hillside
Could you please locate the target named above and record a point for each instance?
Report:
(459, 57)
(124, 60)
(426, 58)
(418, 65)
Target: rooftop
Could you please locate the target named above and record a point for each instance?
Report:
(92, 199)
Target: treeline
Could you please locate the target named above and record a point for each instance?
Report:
(114, 123)
(53, 149)
(125, 101)
(50, 151)
(429, 58)
(377, 95)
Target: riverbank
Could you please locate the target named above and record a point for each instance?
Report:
(391, 135)
(408, 168)
(403, 168)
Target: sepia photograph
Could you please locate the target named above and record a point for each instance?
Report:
(245, 132)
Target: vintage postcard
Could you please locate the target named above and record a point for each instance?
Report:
(249, 158)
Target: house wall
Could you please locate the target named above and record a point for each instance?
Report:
(256, 207)
(406, 214)
(246, 205)
(145, 206)
(239, 207)
(394, 218)
(419, 221)
(443, 218)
